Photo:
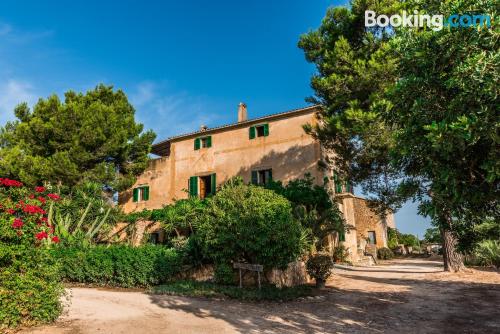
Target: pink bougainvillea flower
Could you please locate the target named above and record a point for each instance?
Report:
(54, 197)
(10, 183)
(39, 189)
(55, 239)
(33, 209)
(18, 223)
(10, 211)
(41, 235)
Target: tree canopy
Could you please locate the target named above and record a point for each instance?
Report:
(87, 137)
(412, 113)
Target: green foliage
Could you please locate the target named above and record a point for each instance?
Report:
(319, 266)
(408, 240)
(433, 235)
(29, 283)
(488, 253)
(313, 207)
(246, 223)
(392, 238)
(118, 265)
(206, 289)
(224, 274)
(340, 254)
(385, 253)
(412, 113)
(88, 137)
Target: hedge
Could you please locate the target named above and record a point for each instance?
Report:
(118, 265)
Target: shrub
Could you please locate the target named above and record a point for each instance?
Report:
(319, 267)
(488, 253)
(249, 224)
(340, 254)
(385, 253)
(224, 274)
(119, 265)
(29, 285)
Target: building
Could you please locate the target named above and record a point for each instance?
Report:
(270, 147)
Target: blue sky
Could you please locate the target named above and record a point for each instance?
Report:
(182, 64)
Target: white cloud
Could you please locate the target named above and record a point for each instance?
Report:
(13, 92)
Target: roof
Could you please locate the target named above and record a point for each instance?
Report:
(162, 148)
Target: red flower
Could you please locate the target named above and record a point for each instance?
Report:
(54, 197)
(33, 209)
(18, 223)
(10, 211)
(32, 196)
(39, 189)
(41, 235)
(55, 239)
(44, 219)
(10, 183)
(42, 200)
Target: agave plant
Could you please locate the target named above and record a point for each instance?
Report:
(71, 230)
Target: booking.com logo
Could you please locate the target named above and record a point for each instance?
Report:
(435, 22)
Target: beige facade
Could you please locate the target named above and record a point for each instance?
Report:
(274, 146)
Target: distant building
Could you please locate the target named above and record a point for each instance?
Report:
(260, 149)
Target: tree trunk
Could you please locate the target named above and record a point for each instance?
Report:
(453, 261)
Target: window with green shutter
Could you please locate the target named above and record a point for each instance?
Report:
(262, 177)
(140, 194)
(213, 184)
(251, 133)
(342, 235)
(193, 186)
(203, 142)
(261, 130)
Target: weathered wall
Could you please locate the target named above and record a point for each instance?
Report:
(288, 150)
(368, 220)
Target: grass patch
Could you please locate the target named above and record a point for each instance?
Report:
(208, 289)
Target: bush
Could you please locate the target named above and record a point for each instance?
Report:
(385, 253)
(224, 274)
(29, 286)
(119, 265)
(251, 224)
(340, 254)
(319, 267)
(488, 253)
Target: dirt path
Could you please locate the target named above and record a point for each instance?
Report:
(405, 296)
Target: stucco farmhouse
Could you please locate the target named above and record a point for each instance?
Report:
(271, 147)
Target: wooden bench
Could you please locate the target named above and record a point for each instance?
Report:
(250, 267)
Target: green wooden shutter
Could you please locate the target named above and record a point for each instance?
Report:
(193, 186)
(254, 177)
(145, 193)
(342, 235)
(266, 130)
(209, 141)
(251, 133)
(338, 187)
(213, 182)
(136, 194)
(197, 144)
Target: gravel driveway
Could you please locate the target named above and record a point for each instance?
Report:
(412, 296)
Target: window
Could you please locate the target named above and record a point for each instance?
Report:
(141, 194)
(261, 130)
(372, 240)
(262, 177)
(342, 235)
(202, 186)
(203, 142)
(154, 238)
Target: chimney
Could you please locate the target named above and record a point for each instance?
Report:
(242, 112)
(203, 127)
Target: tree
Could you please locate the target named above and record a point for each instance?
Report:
(87, 137)
(246, 223)
(433, 235)
(402, 116)
(313, 207)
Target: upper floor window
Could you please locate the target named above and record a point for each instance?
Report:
(261, 130)
(262, 177)
(203, 142)
(141, 193)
